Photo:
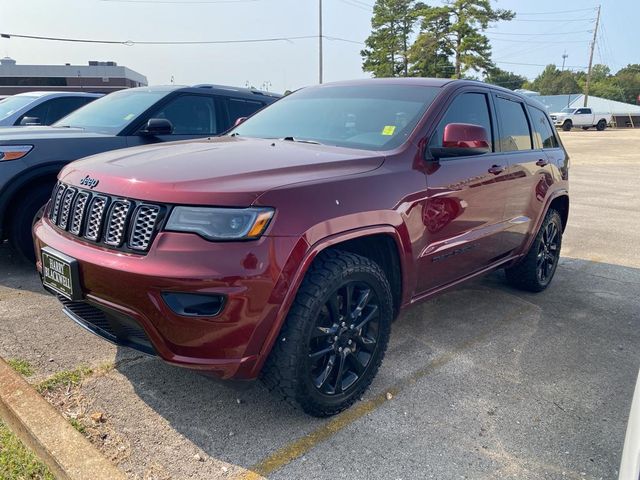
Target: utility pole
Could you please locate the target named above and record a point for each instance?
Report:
(593, 46)
(320, 41)
(564, 57)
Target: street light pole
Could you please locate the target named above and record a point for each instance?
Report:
(320, 66)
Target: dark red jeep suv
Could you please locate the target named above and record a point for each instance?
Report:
(286, 248)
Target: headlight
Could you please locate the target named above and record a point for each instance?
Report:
(14, 152)
(220, 223)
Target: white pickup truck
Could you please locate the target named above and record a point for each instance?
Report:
(568, 118)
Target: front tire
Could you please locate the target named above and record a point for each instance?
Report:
(566, 126)
(335, 335)
(535, 271)
(29, 211)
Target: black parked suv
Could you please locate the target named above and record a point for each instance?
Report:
(31, 157)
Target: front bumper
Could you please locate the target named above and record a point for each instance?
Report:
(127, 290)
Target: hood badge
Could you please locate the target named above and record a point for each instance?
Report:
(89, 182)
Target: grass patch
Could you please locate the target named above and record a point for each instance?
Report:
(77, 425)
(23, 367)
(17, 462)
(64, 378)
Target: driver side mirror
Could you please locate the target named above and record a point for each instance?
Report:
(462, 140)
(157, 126)
(30, 121)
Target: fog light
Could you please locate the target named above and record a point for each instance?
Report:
(194, 304)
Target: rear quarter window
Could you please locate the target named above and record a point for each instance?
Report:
(543, 132)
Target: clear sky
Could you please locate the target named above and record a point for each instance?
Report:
(290, 64)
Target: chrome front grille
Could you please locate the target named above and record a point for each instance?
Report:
(144, 221)
(116, 222)
(94, 224)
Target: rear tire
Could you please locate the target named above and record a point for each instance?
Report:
(535, 271)
(335, 335)
(566, 126)
(29, 211)
(602, 124)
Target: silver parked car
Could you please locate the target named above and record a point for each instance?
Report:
(41, 108)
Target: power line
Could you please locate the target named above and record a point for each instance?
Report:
(555, 34)
(593, 9)
(160, 42)
(540, 65)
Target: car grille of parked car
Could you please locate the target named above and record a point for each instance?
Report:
(115, 222)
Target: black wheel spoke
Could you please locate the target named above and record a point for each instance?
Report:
(321, 352)
(341, 361)
(363, 299)
(370, 316)
(319, 332)
(348, 298)
(321, 379)
(368, 344)
(356, 364)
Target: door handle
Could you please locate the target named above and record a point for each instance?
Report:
(496, 169)
(542, 163)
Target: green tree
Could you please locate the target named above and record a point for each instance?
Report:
(505, 79)
(430, 57)
(628, 79)
(387, 48)
(460, 25)
(555, 82)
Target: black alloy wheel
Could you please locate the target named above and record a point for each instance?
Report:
(548, 253)
(344, 339)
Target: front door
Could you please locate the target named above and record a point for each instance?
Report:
(465, 205)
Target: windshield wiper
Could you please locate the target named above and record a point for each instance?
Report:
(300, 140)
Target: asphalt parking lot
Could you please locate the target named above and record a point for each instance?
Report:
(482, 382)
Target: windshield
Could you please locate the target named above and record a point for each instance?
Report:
(10, 105)
(372, 117)
(568, 110)
(111, 113)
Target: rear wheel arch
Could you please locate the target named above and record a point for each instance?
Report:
(561, 205)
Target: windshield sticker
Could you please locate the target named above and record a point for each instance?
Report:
(388, 130)
(129, 116)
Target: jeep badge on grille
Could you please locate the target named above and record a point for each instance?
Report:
(89, 182)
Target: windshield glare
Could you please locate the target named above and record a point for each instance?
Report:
(373, 117)
(10, 105)
(113, 112)
(568, 110)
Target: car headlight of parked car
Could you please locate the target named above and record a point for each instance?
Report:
(14, 152)
(220, 223)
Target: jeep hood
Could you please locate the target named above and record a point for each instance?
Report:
(25, 134)
(218, 171)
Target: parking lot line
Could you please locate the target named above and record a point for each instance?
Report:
(301, 446)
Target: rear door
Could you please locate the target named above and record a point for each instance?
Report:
(464, 211)
(240, 107)
(526, 161)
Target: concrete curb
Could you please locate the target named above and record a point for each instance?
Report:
(65, 451)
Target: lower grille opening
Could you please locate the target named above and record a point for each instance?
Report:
(109, 324)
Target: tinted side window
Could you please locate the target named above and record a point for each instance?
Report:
(515, 134)
(542, 129)
(239, 108)
(191, 115)
(61, 107)
(583, 111)
(466, 108)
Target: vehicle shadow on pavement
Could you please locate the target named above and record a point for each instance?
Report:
(17, 273)
(563, 361)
